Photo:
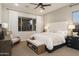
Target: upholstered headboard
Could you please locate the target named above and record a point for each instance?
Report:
(57, 26)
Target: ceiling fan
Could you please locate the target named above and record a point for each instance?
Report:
(41, 5)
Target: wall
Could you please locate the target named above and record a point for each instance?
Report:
(10, 17)
(62, 14)
(0, 13)
(5, 14)
(13, 24)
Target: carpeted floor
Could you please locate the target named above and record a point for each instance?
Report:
(22, 50)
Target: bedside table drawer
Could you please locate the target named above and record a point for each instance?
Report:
(71, 45)
(68, 44)
(70, 38)
(72, 42)
(78, 39)
(69, 41)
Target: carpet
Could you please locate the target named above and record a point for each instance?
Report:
(21, 49)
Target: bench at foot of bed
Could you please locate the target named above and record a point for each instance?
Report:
(37, 46)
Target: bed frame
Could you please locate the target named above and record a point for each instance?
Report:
(58, 26)
(55, 47)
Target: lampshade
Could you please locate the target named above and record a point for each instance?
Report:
(4, 25)
(46, 27)
(71, 26)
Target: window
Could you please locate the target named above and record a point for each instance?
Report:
(75, 16)
(26, 24)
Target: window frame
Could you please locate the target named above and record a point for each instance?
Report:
(22, 22)
(72, 17)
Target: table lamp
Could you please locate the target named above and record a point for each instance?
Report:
(46, 28)
(71, 27)
(5, 28)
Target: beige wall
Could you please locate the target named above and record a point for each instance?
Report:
(11, 19)
(5, 14)
(13, 24)
(62, 14)
(0, 13)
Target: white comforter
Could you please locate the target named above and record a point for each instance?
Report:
(50, 39)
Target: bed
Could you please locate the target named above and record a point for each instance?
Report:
(54, 38)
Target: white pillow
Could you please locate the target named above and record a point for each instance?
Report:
(64, 33)
(51, 30)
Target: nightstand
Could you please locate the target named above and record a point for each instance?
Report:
(73, 42)
(5, 46)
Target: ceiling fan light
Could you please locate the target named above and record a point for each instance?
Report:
(16, 4)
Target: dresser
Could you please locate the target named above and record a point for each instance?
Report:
(73, 42)
(5, 46)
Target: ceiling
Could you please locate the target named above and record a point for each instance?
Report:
(29, 8)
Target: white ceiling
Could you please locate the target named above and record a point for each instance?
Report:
(29, 8)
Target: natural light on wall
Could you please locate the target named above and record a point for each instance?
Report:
(75, 16)
(16, 4)
(5, 25)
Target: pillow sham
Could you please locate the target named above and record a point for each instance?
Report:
(64, 33)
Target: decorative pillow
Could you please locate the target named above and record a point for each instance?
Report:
(32, 38)
(63, 32)
(51, 30)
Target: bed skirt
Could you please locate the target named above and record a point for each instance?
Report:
(55, 47)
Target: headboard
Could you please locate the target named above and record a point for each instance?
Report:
(57, 26)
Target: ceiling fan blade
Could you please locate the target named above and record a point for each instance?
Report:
(41, 5)
(47, 5)
(42, 8)
(34, 3)
(37, 6)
